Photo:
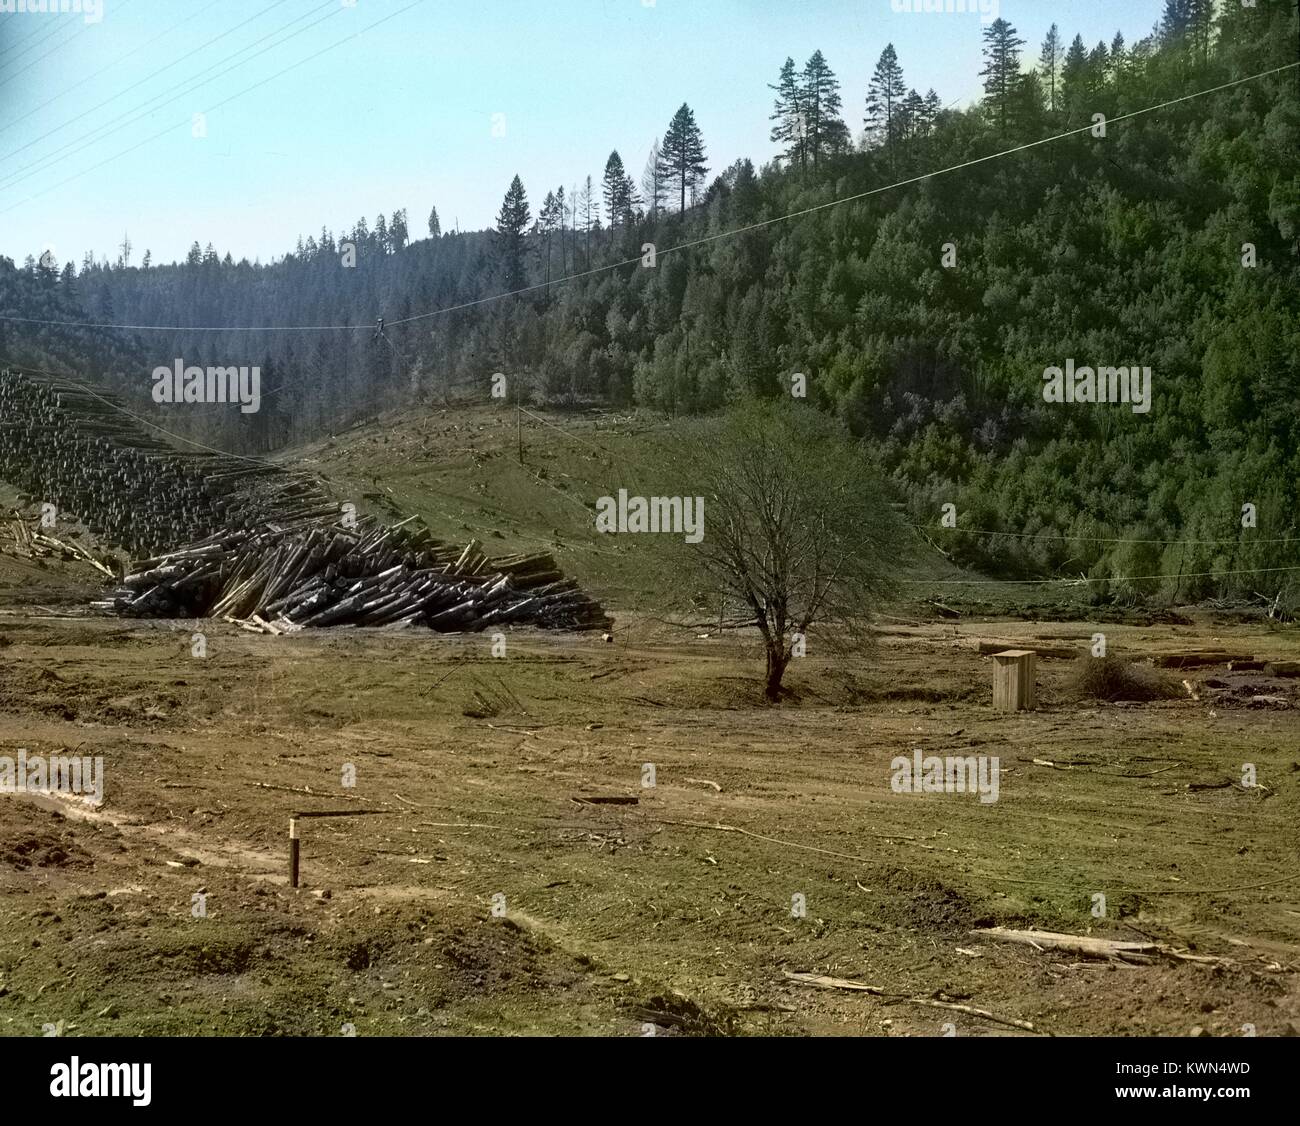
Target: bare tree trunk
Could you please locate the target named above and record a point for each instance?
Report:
(776, 663)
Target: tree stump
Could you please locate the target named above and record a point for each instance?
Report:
(1014, 680)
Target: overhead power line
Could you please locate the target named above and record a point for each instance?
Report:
(156, 101)
(95, 74)
(1090, 539)
(211, 109)
(85, 27)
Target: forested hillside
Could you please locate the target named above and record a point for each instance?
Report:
(923, 314)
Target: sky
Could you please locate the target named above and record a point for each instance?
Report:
(317, 112)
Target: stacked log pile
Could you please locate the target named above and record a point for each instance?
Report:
(280, 578)
(81, 451)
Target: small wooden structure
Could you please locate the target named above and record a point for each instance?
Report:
(1015, 680)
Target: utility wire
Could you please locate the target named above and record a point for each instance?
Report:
(101, 70)
(157, 101)
(210, 109)
(55, 27)
(1083, 579)
(1094, 539)
(85, 27)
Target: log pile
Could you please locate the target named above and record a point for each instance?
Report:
(81, 451)
(279, 578)
(37, 545)
(262, 548)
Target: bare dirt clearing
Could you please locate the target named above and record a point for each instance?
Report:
(675, 911)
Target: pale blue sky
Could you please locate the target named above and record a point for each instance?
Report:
(402, 116)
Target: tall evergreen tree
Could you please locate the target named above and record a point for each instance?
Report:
(885, 94)
(1049, 62)
(932, 108)
(913, 115)
(682, 158)
(397, 232)
(1118, 57)
(1001, 71)
(1201, 19)
(616, 191)
(1075, 81)
(820, 98)
(788, 116)
(1176, 21)
(435, 228)
(512, 222)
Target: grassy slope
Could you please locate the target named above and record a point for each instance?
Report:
(459, 469)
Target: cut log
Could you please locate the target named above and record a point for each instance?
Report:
(1198, 659)
(1059, 652)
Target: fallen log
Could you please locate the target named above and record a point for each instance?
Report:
(1198, 659)
(987, 648)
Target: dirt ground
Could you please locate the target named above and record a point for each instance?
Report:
(487, 897)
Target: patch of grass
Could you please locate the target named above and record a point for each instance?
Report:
(1113, 678)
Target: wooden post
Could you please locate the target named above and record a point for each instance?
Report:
(1015, 680)
(293, 852)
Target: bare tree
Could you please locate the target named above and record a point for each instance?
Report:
(797, 525)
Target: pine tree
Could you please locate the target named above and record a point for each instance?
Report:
(1075, 82)
(512, 222)
(682, 158)
(1118, 57)
(932, 109)
(1099, 65)
(1200, 15)
(884, 95)
(397, 232)
(1001, 71)
(616, 190)
(820, 98)
(1176, 20)
(435, 228)
(1049, 61)
(913, 115)
(788, 114)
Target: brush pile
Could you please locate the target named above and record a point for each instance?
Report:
(277, 578)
